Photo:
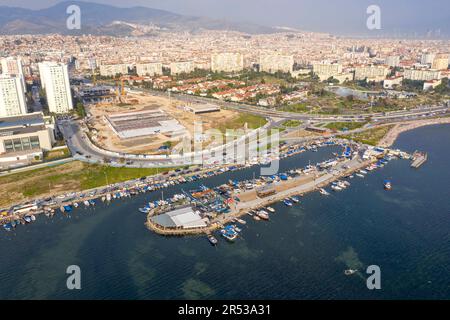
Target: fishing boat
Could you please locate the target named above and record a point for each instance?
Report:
(144, 210)
(295, 199)
(86, 203)
(75, 204)
(256, 218)
(350, 272)
(241, 221)
(336, 188)
(263, 215)
(360, 175)
(236, 228)
(287, 202)
(229, 234)
(8, 226)
(33, 217)
(270, 209)
(212, 240)
(27, 219)
(92, 202)
(387, 185)
(324, 192)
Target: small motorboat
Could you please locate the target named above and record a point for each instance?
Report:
(350, 272)
(270, 209)
(287, 202)
(212, 240)
(295, 199)
(387, 185)
(324, 192)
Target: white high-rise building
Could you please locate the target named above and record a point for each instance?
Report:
(275, 62)
(227, 62)
(55, 81)
(427, 58)
(12, 97)
(182, 67)
(149, 69)
(13, 67)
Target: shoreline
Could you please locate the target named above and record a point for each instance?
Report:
(389, 139)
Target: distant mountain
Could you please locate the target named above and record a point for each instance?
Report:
(103, 19)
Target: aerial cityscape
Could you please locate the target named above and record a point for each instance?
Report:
(147, 154)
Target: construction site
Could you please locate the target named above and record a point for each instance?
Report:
(124, 120)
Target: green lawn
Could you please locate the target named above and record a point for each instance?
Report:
(292, 123)
(339, 126)
(253, 122)
(371, 136)
(57, 154)
(73, 176)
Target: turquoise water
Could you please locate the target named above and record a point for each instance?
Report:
(300, 254)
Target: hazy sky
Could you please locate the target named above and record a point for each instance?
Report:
(341, 16)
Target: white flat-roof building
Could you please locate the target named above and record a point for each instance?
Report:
(13, 67)
(181, 67)
(227, 62)
(111, 70)
(12, 96)
(55, 81)
(275, 62)
(149, 69)
(23, 138)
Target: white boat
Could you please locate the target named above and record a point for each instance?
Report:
(360, 175)
(270, 209)
(86, 203)
(336, 188)
(324, 192)
(350, 272)
(363, 171)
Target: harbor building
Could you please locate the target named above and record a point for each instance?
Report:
(274, 62)
(149, 69)
(227, 62)
(12, 96)
(181, 67)
(55, 81)
(23, 139)
(184, 218)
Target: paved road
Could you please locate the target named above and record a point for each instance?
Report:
(381, 117)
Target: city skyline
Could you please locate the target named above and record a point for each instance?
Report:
(346, 17)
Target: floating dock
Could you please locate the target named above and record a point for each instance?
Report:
(419, 158)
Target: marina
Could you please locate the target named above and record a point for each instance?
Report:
(327, 233)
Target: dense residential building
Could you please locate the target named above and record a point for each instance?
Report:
(392, 61)
(181, 67)
(390, 83)
(272, 63)
(371, 73)
(149, 69)
(326, 70)
(427, 58)
(55, 81)
(111, 70)
(227, 62)
(422, 74)
(440, 62)
(12, 96)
